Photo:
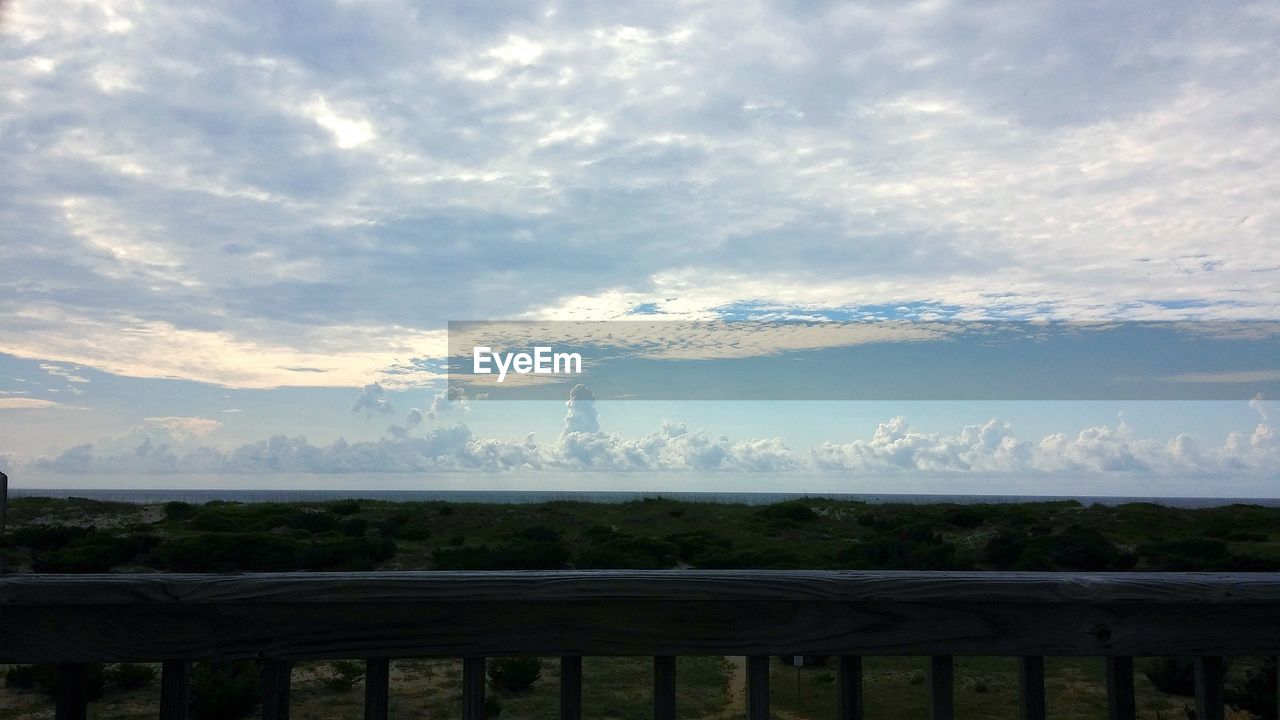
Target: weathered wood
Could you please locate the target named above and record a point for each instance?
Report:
(175, 690)
(1120, 697)
(849, 688)
(941, 688)
(1210, 693)
(72, 695)
(276, 677)
(664, 687)
(377, 688)
(156, 617)
(758, 687)
(473, 688)
(1031, 688)
(571, 688)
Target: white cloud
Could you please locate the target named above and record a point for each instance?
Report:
(23, 403)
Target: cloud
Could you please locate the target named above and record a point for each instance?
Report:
(581, 415)
(67, 374)
(227, 194)
(993, 448)
(372, 400)
(23, 403)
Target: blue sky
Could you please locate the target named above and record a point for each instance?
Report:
(226, 223)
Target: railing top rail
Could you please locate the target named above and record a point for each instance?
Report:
(150, 617)
(679, 585)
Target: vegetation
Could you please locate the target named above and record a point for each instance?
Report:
(78, 535)
(514, 675)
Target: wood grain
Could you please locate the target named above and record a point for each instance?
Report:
(294, 616)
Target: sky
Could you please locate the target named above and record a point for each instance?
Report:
(233, 235)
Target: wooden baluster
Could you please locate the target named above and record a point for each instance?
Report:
(377, 688)
(849, 688)
(276, 675)
(473, 688)
(1031, 688)
(175, 690)
(72, 701)
(571, 688)
(758, 687)
(1120, 698)
(941, 687)
(1210, 700)
(664, 687)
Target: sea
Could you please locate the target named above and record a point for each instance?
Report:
(195, 496)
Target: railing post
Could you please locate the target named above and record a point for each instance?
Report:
(1031, 688)
(473, 688)
(664, 687)
(275, 689)
(1120, 698)
(849, 682)
(175, 689)
(571, 687)
(941, 687)
(758, 687)
(73, 692)
(377, 688)
(1210, 699)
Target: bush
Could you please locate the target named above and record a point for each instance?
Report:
(786, 514)
(915, 547)
(223, 691)
(176, 510)
(345, 507)
(622, 551)
(509, 555)
(265, 552)
(344, 674)
(964, 517)
(98, 551)
(514, 675)
(354, 527)
(46, 537)
(1188, 555)
(1172, 676)
(129, 676)
(492, 707)
(1082, 548)
(1257, 693)
(28, 677)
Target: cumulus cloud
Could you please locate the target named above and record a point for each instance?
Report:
(993, 448)
(372, 400)
(581, 415)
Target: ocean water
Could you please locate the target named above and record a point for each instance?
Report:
(157, 495)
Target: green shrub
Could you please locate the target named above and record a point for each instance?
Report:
(915, 547)
(1187, 555)
(492, 707)
(514, 675)
(95, 552)
(28, 677)
(176, 510)
(509, 555)
(1257, 693)
(621, 551)
(1082, 548)
(964, 517)
(354, 527)
(344, 674)
(786, 514)
(46, 537)
(224, 691)
(129, 676)
(265, 552)
(345, 507)
(313, 521)
(1172, 675)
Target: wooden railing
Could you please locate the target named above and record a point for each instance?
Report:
(71, 620)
